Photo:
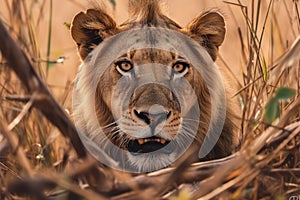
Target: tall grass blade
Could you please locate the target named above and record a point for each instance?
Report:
(49, 37)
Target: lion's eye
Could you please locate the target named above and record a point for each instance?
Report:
(124, 66)
(181, 67)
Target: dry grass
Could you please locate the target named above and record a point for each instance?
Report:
(36, 161)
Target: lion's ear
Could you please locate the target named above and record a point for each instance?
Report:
(90, 28)
(209, 29)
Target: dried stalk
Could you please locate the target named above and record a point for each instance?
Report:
(44, 101)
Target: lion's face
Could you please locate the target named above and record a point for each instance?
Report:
(150, 104)
(148, 96)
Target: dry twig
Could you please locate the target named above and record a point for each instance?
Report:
(44, 101)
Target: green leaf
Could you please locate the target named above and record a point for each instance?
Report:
(249, 191)
(265, 70)
(67, 25)
(280, 197)
(272, 110)
(284, 93)
(183, 195)
(113, 3)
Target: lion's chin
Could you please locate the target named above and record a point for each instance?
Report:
(150, 154)
(151, 161)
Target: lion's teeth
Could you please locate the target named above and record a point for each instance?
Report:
(159, 140)
(141, 141)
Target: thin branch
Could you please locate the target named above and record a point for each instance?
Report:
(24, 99)
(45, 102)
(16, 148)
(22, 114)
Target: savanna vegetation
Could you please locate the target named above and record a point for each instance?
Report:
(41, 157)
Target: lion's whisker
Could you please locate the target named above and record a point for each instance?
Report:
(111, 124)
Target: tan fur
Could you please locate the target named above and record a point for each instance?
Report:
(210, 26)
(92, 27)
(146, 9)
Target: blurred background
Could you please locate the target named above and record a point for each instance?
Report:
(279, 29)
(260, 34)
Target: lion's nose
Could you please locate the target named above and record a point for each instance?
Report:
(152, 117)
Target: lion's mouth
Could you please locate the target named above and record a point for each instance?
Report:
(148, 145)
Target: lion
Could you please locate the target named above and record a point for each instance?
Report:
(150, 102)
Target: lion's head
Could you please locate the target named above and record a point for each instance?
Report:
(147, 100)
